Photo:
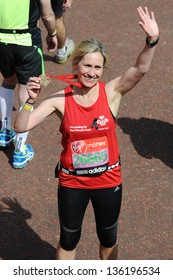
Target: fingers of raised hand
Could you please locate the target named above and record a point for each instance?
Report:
(144, 14)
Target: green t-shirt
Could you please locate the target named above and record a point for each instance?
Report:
(17, 15)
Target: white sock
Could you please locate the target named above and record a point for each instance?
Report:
(62, 51)
(21, 137)
(6, 106)
(20, 141)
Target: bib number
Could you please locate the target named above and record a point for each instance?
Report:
(90, 155)
(90, 159)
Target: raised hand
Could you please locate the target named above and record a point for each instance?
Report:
(33, 87)
(148, 22)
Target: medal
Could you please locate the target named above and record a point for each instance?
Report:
(45, 80)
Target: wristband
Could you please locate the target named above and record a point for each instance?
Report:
(151, 44)
(53, 35)
(27, 107)
(31, 103)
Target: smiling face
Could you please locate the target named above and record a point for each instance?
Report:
(90, 69)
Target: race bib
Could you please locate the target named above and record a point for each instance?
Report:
(90, 155)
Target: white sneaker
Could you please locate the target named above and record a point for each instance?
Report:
(69, 45)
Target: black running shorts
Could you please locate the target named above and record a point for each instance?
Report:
(24, 61)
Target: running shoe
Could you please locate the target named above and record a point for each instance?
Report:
(69, 45)
(21, 159)
(7, 137)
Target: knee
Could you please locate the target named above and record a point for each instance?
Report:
(107, 235)
(69, 238)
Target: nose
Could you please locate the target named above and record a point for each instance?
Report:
(91, 72)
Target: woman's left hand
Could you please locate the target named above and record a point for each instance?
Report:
(148, 22)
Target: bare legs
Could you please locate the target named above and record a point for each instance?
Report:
(105, 253)
(60, 26)
(109, 253)
(62, 254)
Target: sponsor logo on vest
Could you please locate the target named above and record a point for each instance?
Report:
(79, 147)
(97, 170)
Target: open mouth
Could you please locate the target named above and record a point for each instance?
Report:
(90, 79)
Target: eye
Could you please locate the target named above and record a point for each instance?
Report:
(87, 65)
(98, 67)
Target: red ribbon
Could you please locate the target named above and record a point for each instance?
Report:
(67, 79)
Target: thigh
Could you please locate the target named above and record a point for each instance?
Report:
(107, 205)
(72, 204)
(6, 60)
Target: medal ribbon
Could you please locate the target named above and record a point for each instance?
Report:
(67, 79)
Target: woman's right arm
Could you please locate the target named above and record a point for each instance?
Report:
(28, 118)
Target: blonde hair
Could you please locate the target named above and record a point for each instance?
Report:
(88, 46)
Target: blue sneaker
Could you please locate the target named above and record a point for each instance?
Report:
(21, 159)
(7, 137)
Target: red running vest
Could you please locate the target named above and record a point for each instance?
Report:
(89, 140)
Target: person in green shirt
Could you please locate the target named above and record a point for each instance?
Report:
(20, 58)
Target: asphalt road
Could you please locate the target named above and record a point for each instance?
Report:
(29, 226)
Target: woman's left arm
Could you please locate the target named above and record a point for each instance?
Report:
(133, 75)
